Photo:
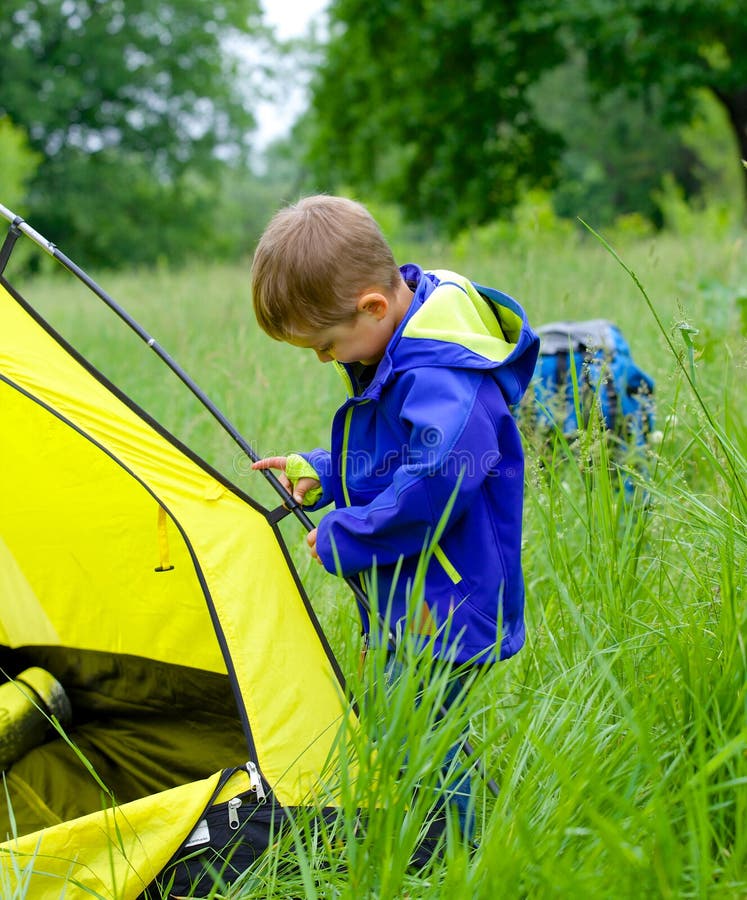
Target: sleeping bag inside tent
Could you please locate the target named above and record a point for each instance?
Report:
(163, 601)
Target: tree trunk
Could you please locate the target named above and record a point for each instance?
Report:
(736, 107)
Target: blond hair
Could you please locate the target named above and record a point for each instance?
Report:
(313, 261)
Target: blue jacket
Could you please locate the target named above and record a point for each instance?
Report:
(434, 416)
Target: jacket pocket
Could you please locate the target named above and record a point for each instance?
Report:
(447, 565)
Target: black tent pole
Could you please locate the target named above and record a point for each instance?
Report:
(17, 226)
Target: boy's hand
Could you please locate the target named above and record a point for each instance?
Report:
(311, 541)
(299, 489)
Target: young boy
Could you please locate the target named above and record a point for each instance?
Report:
(432, 364)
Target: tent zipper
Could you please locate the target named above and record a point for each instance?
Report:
(233, 813)
(255, 779)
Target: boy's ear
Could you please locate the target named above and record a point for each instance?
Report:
(374, 303)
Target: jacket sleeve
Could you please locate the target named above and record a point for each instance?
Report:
(321, 461)
(452, 440)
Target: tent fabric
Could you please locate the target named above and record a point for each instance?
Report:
(115, 853)
(118, 543)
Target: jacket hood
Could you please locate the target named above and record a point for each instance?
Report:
(455, 323)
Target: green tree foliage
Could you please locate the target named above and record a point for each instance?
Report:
(136, 108)
(615, 148)
(429, 102)
(424, 103)
(19, 162)
(673, 47)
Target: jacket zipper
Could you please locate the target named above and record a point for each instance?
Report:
(344, 449)
(344, 453)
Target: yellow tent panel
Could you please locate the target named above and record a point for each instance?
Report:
(163, 600)
(113, 854)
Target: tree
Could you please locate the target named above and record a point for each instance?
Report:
(423, 102)
(615, 149)
(135, 106)
(673, 47)
(428, 102)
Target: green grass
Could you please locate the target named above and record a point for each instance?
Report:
(619, 734)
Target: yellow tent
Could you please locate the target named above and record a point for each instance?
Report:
(163, 600)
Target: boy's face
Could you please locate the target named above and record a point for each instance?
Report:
(362, 338)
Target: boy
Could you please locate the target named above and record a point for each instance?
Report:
(432, 365)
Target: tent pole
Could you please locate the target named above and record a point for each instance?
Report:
(18, 226)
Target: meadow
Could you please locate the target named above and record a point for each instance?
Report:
(618, 735)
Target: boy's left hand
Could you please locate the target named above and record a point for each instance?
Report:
(311, 541)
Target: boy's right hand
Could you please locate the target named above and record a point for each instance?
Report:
(299, 489)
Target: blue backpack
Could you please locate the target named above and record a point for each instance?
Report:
(597, 357)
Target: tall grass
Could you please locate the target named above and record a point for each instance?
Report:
(618, 735)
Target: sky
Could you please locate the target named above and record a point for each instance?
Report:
(290, 18)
